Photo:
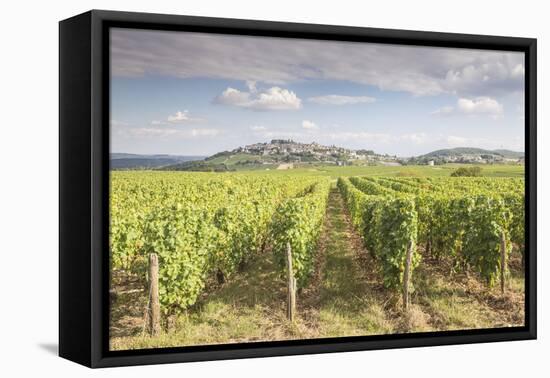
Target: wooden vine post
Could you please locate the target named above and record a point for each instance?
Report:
(429, 241)
(291, 297)
(154, 302)
(502, 261)
(407, 275)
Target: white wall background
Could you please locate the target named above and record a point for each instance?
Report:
(29, 190)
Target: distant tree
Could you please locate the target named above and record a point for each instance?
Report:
(467, 172)
(365, 152)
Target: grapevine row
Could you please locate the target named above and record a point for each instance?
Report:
(199, 225)
(467, 223)
(298, 222)
(387, 222)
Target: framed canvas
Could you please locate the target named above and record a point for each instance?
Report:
(236, 188)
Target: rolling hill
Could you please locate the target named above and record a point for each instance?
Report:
(121, 161)
(461, 151)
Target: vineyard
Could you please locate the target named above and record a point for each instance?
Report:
(250, 256)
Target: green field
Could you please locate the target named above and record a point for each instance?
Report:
(221, 240)
(404, 171)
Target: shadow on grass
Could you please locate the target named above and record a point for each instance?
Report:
(127, 307)
(259, 284)
(465, 302)
(248, 307)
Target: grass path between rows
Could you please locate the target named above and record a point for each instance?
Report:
(351, 300)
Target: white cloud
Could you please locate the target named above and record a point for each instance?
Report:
(251, 85)
(162, 132)
(308, 125)
(279, 61)
(481, 142)
(456, 141)
(287, 135)
(274, 98)
(416, 138)
(258, 128)
(435, 141)
(115, 123)
(204, 132)
(486, 77)
(177, 118)
(232, 96)
(480, 105)
(341, 100)
(518, 71)
(384, 138)
(476, 106)
(359, 136)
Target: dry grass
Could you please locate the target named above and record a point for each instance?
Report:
(465, 302)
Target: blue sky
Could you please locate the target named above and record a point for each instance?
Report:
(198, 94)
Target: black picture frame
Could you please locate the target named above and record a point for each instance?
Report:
(84, 187)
